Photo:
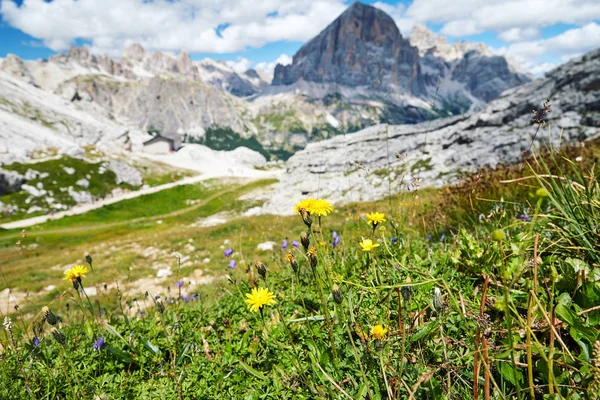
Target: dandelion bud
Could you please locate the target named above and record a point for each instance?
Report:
(337, 294)
(88, 259)
(160, 307)
(437, 302)
(292, 260)
(305, 217)
(59, 336)
(49, 316)
(262, 270)
(304, 240)
(312, 257)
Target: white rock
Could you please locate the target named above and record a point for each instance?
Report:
(49, 288)
(163, 273)
(34, 209)
(84, 183)
(125, 173)
(266, 246)
(35, 192)
(80, 196)
(69, 170)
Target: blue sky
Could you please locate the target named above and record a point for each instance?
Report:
(250, 34)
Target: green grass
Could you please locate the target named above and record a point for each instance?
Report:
(467, 290)
(56, 179)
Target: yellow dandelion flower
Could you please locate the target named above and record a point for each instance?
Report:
(368, 245)
(375, 218)
(320, 208)
(306, 204)
(75, 273)
(290, 257)
(378, 332)
(259, 298)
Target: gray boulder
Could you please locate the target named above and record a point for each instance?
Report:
(125, 173)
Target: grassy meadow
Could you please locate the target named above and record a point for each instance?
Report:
(486, 289)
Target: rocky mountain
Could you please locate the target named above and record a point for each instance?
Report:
(482, 74)
(33, 120)
(381, 159)
(363, 48)
(358, 72)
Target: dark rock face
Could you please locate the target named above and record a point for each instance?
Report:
(10, 182)
(362, 47)
(486, 77)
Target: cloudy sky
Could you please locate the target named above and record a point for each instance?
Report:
(538, 34)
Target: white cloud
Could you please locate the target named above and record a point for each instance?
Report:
(240, 65)
(519, 34)
(563, 47)
(165, 25)
(466, 17)
(266, 70)
(461, 27)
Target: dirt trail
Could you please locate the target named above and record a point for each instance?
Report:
(83, 208)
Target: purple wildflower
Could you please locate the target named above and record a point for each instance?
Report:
(36, 342)
(99, 344)
(442, 238)
(284, 245)
(228, 252)
(141, 313)
(480, 217)
(157, 297)
(180, 284)
(336, 241)
(429, 238)
(170, 300)
(394, 240)
(195, 296)
(232, 264)
(186, 298)
(294, 243)
(335, 234)
(524, 218)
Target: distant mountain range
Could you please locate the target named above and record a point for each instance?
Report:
(384, 159)
(357, 72)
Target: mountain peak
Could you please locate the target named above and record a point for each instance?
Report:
(362, 47)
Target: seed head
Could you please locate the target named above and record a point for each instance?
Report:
(7, 323)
